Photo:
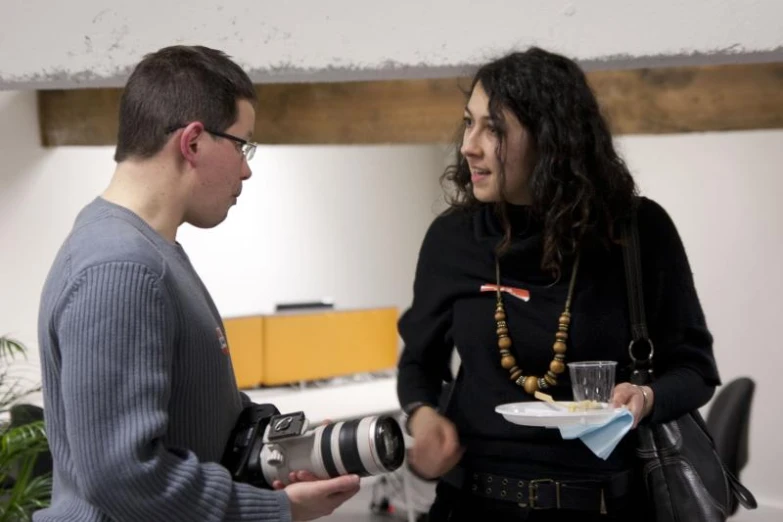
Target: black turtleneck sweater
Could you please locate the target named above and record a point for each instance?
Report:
(448, 310)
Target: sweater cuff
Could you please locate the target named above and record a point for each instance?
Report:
(258, 505)
(678, 392)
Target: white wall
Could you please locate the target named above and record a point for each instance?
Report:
(51, 43)
(314, 222)
(347, 223)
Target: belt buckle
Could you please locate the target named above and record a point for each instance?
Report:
(533, 492)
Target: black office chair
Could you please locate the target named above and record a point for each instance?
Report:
(728, 421)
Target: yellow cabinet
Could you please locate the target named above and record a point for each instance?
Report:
(302, 346)
(245, 343)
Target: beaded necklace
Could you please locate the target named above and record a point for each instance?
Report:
(531, 383)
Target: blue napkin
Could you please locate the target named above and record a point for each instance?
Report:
(601, 438)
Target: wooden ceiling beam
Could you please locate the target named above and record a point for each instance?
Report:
(636, 101)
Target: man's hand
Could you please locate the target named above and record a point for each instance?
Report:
(311, 499)
(299, 476)
(436, 448)
(295, 476)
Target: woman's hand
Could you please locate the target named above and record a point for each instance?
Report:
(633, 398)
(436, 448)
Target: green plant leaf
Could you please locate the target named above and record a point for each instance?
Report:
(19, 448)
(22, 440)
(10, 348)
(19, 445)
(28, 494)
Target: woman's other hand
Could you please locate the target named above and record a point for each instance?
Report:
(436, 448)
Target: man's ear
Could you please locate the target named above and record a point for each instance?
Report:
(189, 141)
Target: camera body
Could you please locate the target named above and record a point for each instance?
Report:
(266, 446)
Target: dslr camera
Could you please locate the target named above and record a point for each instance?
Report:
(266, 445)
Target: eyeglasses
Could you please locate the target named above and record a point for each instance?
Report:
(247, 148)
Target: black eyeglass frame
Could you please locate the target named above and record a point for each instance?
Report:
(247, 148)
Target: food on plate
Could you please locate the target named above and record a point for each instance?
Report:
(569, 406)
(584, 406)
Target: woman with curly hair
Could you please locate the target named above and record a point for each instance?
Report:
(538, 196)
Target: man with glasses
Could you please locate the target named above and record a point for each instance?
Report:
(139, 391)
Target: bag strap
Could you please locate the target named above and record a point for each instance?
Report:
(633, 274)
(741, 493)
(642, 372)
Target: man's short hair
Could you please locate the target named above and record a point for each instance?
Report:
(175, 86)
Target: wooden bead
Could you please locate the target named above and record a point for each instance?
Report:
(565, 319)
(557, 367)
(515, 373)
(561, 336)
(531, 385)
(508, 362)
(559, 347)
(502, 331)
(552, 381)
(504, 343)
(500, 316)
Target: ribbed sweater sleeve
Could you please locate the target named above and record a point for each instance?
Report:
(686, 372)
(116, 326)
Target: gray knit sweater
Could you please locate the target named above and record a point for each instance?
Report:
(139, 392)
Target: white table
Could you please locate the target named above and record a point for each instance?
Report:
(333, 402)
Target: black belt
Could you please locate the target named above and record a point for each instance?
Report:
(598, 495)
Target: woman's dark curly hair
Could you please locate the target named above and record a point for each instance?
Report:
(579, 185)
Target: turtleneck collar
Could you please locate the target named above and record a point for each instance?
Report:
(526, 230)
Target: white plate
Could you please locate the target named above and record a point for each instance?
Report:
(543, 415)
